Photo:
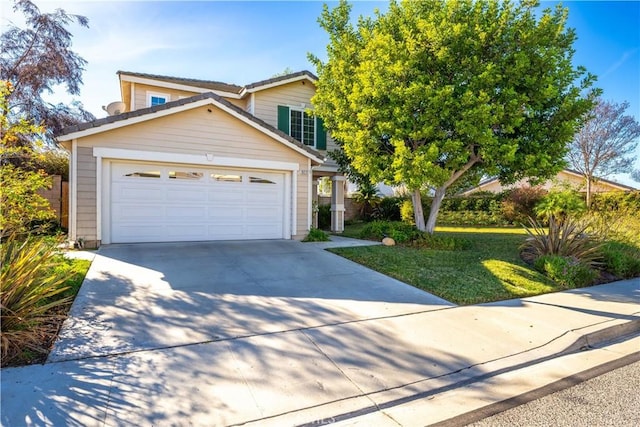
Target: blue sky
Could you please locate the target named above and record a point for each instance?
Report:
(242, 42)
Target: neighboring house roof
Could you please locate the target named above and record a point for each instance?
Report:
(203, 84)
(614, 184)
(143, 114)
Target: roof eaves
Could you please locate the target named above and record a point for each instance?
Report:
(173, 104)
(286, 78)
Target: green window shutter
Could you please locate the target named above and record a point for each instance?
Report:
(321, 135)
(283, 119)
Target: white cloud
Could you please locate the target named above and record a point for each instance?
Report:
(625, 57)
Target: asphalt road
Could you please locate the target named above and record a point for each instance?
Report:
(611, 399)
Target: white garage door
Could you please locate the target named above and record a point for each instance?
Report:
(170, 203)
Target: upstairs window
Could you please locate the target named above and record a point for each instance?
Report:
(302, 126)
(154, 99)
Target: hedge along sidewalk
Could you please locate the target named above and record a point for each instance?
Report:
(490, 270)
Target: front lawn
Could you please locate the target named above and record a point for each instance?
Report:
(489, 270)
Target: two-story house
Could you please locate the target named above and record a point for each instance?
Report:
(195, 160)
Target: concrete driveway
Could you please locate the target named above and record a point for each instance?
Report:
(151, 296)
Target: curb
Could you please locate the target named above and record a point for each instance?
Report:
(596, 340)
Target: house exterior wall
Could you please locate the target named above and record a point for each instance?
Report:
(86, 214)
(293, 94)
(141, 95)
(199, 131)
(297, 94)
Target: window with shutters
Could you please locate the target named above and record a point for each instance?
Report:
(302, 126)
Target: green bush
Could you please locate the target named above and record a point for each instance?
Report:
(32, 288)
(616, 200)
(566, 271)
(388, 209)
(560, 204)
(23, 210)
(441, 243)
(398, 231)
(621, 259)
(518, 204)
(324, 216)
(406, 212)
(316, 235)
(470, 218)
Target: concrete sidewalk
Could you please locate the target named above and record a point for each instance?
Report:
(411, 369)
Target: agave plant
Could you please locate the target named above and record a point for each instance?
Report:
(566, 238)
(30, 289)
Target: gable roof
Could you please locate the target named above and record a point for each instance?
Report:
(210, 85)
(144, 114)
(281, 80)
(617, 185)
(215, 86)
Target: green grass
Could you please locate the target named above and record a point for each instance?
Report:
(77, 269)
(490, 270)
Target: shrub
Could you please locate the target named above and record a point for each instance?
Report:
(566, 271)
(324, 216)
(565, 239)
(441, 243)
(406, 212)
(398, 231)
(471, 218)
(316, 235)
(616, 200)
(388, 209)
(517, 204)
(23, 209)
(560, 204)
(621, 259)
(31, 291)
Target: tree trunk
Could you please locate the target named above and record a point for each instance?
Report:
(418, 213)
(435, 207)
(588, 192)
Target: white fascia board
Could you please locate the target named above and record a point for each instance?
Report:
(276, 84)
(176, 86)
(193, 159)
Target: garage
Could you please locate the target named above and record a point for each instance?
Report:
(155, 202)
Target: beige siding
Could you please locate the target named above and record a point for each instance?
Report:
(293, 94)
(86, 207)
(141, 95)
(195, 131)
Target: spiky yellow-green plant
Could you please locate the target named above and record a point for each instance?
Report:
(29, 293)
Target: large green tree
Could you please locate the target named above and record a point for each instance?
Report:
(431, 91)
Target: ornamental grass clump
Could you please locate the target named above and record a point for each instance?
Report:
(564, 252)
(566, 238)
(30, 293)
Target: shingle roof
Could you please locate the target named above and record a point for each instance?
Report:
(219, 86)
(169, 105)
(282, 78)
(204, 84)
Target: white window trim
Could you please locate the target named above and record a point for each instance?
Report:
(166, 96)
(315, 128)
